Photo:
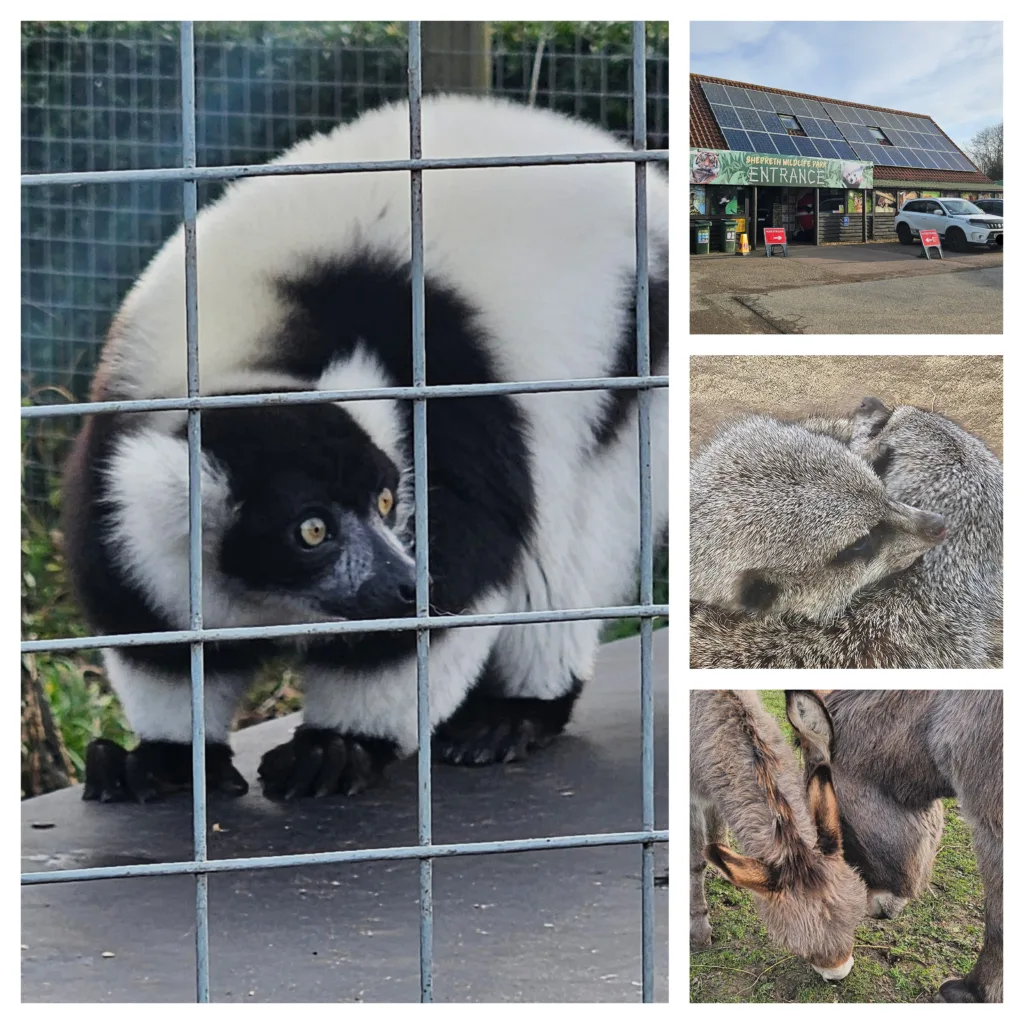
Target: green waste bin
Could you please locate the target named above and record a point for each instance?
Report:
(702, 237)
(727, 234)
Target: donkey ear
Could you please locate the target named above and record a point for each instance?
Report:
(824, 808)
(813, 724)
(743, 872)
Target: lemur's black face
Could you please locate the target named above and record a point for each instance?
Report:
(316, 506)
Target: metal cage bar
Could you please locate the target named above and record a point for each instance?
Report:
(190, 175)
(419, 442)
(643, 369)
(195, 527)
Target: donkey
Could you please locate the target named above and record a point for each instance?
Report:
(893, 755)
(744, 775)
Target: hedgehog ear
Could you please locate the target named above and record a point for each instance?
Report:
(756, 593)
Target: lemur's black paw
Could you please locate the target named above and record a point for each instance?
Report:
(154, 769)
(489, 730)
(320, 762)
(957, 991)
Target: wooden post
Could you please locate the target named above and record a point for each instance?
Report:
(864, 216)
(817, 216)
(456, 56)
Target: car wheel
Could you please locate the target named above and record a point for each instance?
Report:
(955, 241)
(903, 231)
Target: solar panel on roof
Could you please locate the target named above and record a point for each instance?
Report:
(736, 139)
(750, 120)
(773, 123)
(805, 147)
(761, 142)
(714, 93)
(725, 116)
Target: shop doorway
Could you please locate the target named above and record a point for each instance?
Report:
(782, 206)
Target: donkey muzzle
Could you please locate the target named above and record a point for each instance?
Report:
(835, 973)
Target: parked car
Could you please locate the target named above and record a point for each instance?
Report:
(959, 223)
(990, 206)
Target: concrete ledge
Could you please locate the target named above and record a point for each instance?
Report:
(551, 926)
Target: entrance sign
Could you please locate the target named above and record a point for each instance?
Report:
(734, 167)
(773, 237)
(930, 240)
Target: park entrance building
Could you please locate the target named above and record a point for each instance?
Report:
(825, 170)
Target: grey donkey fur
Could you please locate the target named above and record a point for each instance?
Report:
(893, 754)
(873, 541)
(743, 775)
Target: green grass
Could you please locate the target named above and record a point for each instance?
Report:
(937, 936)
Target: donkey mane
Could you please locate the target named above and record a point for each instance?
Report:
(790, 858)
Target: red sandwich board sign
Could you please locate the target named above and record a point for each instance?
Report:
(773, 237)
(930, 240)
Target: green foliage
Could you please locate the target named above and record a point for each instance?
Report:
(620, 628)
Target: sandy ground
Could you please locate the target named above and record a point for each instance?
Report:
(969, 389)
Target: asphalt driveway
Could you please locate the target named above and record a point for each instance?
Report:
(875, 288)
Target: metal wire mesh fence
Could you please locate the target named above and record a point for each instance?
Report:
(76, 264)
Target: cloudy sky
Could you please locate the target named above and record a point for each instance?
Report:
(949, 70)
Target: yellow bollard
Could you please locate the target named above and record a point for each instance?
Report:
(744, 249)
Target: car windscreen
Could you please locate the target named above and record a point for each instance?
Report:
(960, 207)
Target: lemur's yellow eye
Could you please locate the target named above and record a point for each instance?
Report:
(313, 531)
(385, 502)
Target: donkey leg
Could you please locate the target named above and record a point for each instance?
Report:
(700, 927)
(985, 982)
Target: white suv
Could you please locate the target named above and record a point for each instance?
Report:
(958, 222)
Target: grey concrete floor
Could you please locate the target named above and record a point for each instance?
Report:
(725, 292)
(970, 302)
(549, 926)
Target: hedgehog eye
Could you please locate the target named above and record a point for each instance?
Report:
(385, 502)
(312, 531)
